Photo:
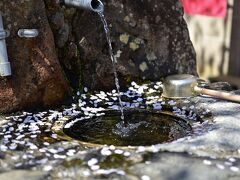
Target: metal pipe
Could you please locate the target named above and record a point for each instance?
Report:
(28, 33)
(94, 5)
(5, 68)
(4, 34)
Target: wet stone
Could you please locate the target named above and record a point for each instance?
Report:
(34, 145)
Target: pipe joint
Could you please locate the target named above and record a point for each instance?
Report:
(5, 69)
(4, 34)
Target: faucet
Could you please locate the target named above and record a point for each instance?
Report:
(94, 5)
(5, 68)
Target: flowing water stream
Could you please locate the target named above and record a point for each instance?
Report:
(107, 32)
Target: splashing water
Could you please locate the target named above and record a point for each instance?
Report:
(107, 32)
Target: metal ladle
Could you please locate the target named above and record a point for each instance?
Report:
(185, 85)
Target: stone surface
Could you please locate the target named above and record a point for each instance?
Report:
(150, 40)
(37, 79)
(67, 49)
(222, 137)
(23, 175)
(33, 145)
(181, 166)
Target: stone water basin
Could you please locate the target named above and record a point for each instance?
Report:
(33, 145)
(140, 128)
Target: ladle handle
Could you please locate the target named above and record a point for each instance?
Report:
(218, 94)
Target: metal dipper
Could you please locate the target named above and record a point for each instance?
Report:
(185, 85)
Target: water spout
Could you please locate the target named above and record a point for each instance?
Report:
(94, 5)
(5, 68)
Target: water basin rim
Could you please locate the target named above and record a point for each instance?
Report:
(115, 112)
(112, 112)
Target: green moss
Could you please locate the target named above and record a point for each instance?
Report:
(71, 163)
(133, 46)
(115, 161)
(124, 38)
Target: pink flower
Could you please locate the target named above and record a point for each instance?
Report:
(216, 8)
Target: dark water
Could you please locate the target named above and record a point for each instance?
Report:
(107, 32)
(143, 129)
